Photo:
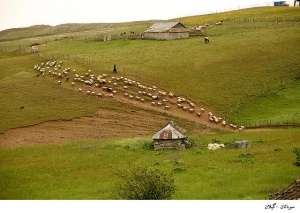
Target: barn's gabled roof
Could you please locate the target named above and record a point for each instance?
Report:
(170, 131)
(167, 27)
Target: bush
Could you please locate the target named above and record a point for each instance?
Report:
(149, 145)
(297, 153)
(144, 183)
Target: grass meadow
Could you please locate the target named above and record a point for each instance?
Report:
(249, 72)
(27, 99)
(242, 62)
(85, 170)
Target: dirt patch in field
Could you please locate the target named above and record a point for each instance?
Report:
(131, 122)
(132, 118)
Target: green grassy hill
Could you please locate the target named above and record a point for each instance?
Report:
(234, 75)
(248, 73)
(85, 170)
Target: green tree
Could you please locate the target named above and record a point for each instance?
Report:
(144, 183)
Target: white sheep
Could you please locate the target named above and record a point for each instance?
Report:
(213, 146)
(191, 110)
(223, 123)
(192, 104)
(241, 128)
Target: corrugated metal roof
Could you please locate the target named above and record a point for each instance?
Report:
(164, 25)
(173, 27)
(168, 132)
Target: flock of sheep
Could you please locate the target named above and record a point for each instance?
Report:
(105, 86)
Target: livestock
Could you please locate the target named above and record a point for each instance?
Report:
(219, 23)
(154, 97)
(109, 89)
(223, 123)
(206, 40)
(34, 49)
(241, 128)
(202, 109)
(191, 110)
(192, 104)
(213, 146)
(216, 119)
(167, 107)
(199, 114)
(171, 95)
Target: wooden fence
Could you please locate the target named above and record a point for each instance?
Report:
(292, 192)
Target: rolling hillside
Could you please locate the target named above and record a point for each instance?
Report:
(59, 143)
(245, 63)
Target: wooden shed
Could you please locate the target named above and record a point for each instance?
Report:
(170, 137)
(166, 31)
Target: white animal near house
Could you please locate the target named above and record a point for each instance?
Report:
(34, 49)
(215, 146)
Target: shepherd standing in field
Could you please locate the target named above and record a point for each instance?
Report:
(115, 68)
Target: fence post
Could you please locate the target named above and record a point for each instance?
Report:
(297, 189)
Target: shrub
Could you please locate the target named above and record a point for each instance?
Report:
(144, 183)
(149, 145)
(296, 151)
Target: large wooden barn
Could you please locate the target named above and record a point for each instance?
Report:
(166, 31)
(170, 137)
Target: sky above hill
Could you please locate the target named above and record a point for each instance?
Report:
(25, 13)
